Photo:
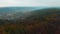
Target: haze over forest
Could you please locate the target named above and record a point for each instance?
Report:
(30, 20)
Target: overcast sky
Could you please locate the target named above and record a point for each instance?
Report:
(4, 3)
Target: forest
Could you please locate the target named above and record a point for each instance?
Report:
(44, 21)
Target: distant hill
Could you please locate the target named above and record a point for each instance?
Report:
(10, 9)
(44, 12)
(40, 13)
(9, 12)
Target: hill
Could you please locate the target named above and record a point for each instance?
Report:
(42, 21)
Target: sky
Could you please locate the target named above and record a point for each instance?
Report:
(27, 3)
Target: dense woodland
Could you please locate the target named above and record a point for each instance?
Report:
(44, 21)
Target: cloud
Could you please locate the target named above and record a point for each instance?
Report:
(5, 3)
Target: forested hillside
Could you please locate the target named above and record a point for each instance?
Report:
(43, 21)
